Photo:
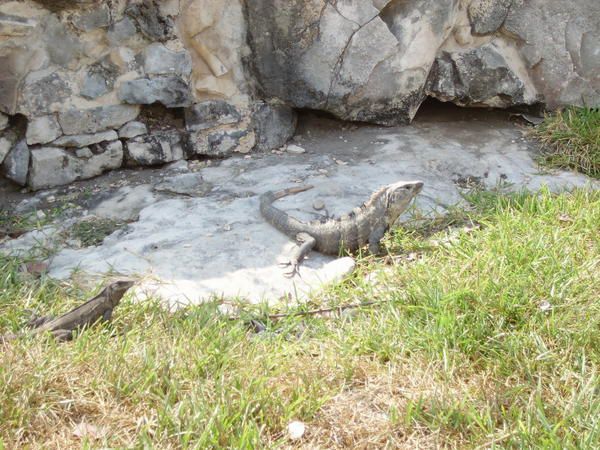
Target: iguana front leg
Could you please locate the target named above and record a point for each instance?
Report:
(375, 240)
(307, 242)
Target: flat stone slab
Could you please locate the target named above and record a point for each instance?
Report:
(214, 243)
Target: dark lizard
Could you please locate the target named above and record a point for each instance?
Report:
(365, 225)
(96, 309)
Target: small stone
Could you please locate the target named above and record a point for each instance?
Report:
(16, 163)
(43, 129)
(84, 152)
(319, 204)
(84, 140)
(227, 227)
(3, 121)
(159, 60)
(295, 149)
(51, 199)
(132, 129)
(92, 18)
(171, 91)
(339, 162)
(296, 430)
(323, 171)
(209, 114)
(545, 306)
(40, 214)
(85, 121)
(120, 31)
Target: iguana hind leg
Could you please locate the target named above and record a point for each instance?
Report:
(307, 242)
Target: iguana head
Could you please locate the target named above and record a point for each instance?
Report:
(118, 288)
(399, 195)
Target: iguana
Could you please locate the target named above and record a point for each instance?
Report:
(98, 308)
(365, 225)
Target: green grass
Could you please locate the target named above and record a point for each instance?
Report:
(571, 139)
(92, 231)
(489, 335)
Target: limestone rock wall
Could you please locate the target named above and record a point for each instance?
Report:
(89, 85)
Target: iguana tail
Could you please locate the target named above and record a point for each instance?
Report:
(279, 219)
(289, 191)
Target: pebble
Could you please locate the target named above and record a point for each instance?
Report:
(318, 204)
(40, 214)
(295, 149)
(296, 430)
(227, 227)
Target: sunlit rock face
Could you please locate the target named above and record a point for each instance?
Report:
(215, 77)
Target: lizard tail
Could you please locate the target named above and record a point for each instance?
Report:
(290, 191)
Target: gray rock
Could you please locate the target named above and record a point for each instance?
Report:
(52, 166)
(191, 184)
(43, 129)
(155, 149)
(85, 140)
(552, 36)
(479, 76)
(171, 91)
(159, 60)
(121, 31)
(12, 26)
(349, 58)
(99, 79)
(132, 129)
(223, 143)
(44, 92)
(87, 121)
(92, 18)
(62, 45)
(209, 114)
(7, 140)
(487, 16)
(151, 21)
(274, 125)
(3, 121)
(16, 163)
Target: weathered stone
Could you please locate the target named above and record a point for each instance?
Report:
(96, 17)
(274, 125)
(487, 16)
(349, 58)
(155, 149)
(3, 121)
(11, 25)
(132, 129)
(477, 77)
(99, 79)
(7, 141)
(43, 129)
(44, 92)
(552, 36)
(62, 45)
(209, 114)
(86, 121)
(151, 21)
(16, 163)
(223, 143)
(121, 31)
(159, 60)
(171, 91)
(85, 140)
(52, 166)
